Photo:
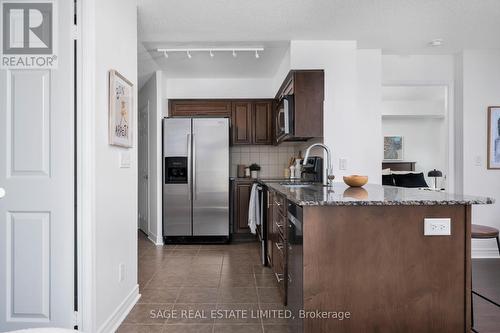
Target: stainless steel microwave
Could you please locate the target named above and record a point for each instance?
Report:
(285, 118)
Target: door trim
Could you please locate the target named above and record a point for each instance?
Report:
(148, 231)
(85, 165)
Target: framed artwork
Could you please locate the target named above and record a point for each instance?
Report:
(494, 137)
(393, 148)
(121, 110)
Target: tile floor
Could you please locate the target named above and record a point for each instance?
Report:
(175, 278)
(225, 277)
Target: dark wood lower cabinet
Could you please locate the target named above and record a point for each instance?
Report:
(375, 263)
(277, 244)
(242, 190)
(373, 267)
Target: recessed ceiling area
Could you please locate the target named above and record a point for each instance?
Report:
(222, 64)
(395, 26)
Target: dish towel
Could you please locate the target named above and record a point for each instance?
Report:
(254, 209)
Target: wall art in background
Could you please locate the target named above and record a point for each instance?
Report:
(393, 148)
(494, 137)
(121, 110)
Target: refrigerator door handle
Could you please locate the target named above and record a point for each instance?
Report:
(189, 145)
(194, 166)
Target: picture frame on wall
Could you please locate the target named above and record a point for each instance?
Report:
(393, 148)
(494, 137)
(121, 110)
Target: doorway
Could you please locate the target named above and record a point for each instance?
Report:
(143, 218)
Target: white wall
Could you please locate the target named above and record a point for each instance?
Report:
(151, 93)
(481, 88)
(220, 88)
(352, 102)
(115, 196)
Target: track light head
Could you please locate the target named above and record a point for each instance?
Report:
(212, 54)
(257, 56)
(234, 54)
(165, 54)
(189, 54)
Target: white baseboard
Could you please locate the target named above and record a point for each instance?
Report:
(117, 317)
(157, 240)
(491, 252)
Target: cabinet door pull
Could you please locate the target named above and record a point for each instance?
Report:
(279, 246)
(279, 277)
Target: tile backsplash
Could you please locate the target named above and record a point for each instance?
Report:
(272, 159)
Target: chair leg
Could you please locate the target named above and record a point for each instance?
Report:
(498, 243)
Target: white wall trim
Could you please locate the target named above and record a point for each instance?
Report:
(159, 156)
(114, 321)
(155, 239)
(86, 166)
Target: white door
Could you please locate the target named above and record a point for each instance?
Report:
(37, 173)
(144, 168)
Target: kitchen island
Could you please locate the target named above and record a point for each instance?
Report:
(357, 259)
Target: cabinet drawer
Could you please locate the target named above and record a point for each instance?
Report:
(279, 203)
(279, 226)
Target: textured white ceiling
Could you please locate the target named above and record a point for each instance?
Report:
(395, 26)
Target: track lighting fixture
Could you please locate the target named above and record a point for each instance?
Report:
(211, 51)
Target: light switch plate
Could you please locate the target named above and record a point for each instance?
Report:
(343, 163)
(437, 227)
(125, 159)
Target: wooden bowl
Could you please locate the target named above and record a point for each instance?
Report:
(355, 180)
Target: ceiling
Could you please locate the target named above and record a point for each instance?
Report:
(395, 26)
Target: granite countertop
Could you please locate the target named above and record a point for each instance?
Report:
(371, 195)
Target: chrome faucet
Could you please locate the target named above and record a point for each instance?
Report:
(327, 167)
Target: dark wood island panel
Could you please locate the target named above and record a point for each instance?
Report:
(376, 263)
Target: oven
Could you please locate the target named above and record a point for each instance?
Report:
(285, 118)
(262, 228)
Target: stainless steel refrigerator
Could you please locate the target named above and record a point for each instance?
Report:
(195, 179)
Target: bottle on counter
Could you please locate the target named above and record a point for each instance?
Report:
(292, 171)
(298, 168)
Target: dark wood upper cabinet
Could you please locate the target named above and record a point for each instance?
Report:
(195, 108)
(241, 123)
(308, 90)
(251, 120)
(262, 123)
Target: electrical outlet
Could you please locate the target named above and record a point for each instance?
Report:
(343, 163)
(121, 272)
(437, 227)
